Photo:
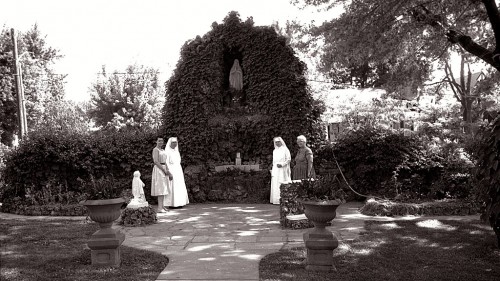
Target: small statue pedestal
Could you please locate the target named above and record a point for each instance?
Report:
(135, 204)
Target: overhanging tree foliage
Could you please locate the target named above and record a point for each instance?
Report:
(213, 121)
(405, 36)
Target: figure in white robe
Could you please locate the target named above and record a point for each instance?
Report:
(280, 172)
(177, 193)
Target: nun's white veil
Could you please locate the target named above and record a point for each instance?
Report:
(174, 155)
(170, 140)
(283, 144)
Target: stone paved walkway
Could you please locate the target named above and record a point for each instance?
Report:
(224, 241)
(227, 241)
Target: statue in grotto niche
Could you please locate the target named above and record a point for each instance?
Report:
(236, 76)
(234, 95)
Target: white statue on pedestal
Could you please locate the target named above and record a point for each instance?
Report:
(138, 192)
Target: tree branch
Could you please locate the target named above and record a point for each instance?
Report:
(462, 76)
(472, 47)
(494, 16)
(422, 14)
(469, 79)
(451, 81)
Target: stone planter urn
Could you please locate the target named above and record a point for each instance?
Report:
(105, 243)
(319, 241)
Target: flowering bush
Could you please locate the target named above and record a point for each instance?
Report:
(138, 217)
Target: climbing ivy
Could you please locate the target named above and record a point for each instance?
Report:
(277, 100)
(488, 172)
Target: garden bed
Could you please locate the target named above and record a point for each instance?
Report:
(44, 210)
(389, 208)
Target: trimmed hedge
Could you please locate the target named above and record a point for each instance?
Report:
(374, 207)
(46, 167)
(214, 122)
(45, 174)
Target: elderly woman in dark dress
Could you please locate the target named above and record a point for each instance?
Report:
(303, 168)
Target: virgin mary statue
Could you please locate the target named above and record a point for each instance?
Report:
(236, 76)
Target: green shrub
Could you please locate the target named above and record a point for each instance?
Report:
(46, 164)
(456, 180)
(324, 187)
(369, 157)
(389, 164)
(105, 187)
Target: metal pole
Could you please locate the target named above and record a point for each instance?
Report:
(23, 101)
(21, 112)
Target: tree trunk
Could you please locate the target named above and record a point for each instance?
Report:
(467, 114)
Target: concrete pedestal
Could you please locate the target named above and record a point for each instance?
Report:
(105, 247)
(320, 244)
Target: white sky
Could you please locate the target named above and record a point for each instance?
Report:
(117, 33)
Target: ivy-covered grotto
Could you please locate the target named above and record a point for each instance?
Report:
(233, 90)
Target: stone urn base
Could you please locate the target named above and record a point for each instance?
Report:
(319, 241)
(105, 243)
(320, 248)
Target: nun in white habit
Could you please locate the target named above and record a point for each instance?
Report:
(280, 172)
(177, 193)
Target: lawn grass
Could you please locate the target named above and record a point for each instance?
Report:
(56, 250)
(401, 250)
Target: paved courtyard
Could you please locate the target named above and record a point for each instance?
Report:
(227, 241)
(224, 241)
